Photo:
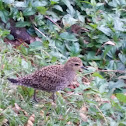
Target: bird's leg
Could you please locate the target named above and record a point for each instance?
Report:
(54, 96)
(34, 96)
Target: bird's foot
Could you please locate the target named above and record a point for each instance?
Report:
(35, 99)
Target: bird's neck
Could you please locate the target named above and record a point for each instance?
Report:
(69, 73)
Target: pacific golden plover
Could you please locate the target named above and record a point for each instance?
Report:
(51, 78)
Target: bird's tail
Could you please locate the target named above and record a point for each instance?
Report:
(13, 80)
(18, 82)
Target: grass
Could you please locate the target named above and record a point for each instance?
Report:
(98, 96)
(11, 66)
(84, 105)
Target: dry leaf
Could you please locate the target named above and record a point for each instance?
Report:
(16, 108)
(85, 42)
(1, 110)
(83, 117)
(31, 120)
(61, 117)
(85, 81)
(106, 43)
(75, 84)
(69, 123)
(4, 122)
(83, 109)
(110, 43)
(3, 66)
(53, 104)
(42, 113)
(113, 97)
(71, 86)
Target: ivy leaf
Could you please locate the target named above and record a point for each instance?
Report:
(68, 4)
(105, 30)
(23, 24)
(96, 74)
(118, 84)
(54, 2)
(4, 16)
(19, 4)
(35, 45)
(122, 58)
(68, 20)
(4, 33)
(8, 1)
(24, 64)
(28, 12)
(118, 24)
(42, 10)
(40, 3)
(74, 48)
(121, 97)
(68, 36)
(59, 8)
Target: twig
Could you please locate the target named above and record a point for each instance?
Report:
(40, 32)
(53, 22)
(108, 42)
(116, 71)
(102, 114)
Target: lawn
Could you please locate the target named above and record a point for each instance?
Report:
(34, 34)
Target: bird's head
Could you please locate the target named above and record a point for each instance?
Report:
(74, 63)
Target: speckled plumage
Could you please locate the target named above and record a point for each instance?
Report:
(51, 78)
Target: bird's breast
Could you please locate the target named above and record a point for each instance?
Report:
(70, 76)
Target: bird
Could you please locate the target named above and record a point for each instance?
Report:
(51, 78)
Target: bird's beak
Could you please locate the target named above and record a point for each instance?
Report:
(84, 68)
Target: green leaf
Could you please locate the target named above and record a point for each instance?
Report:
(10, 37)
(118, 84)
(40, 3)
(23, 24)
(112, 65)
(42, 10)
(93, 2)
(118, 24)
(4, 16)
(68, 36)
(4, 33)
(121, 97)
(93, 25)
(96, 74)
(8, 1)
(28, 12)
(105, 30)
(35, 44)
(24, 64)
(91, 56)
(59, 8)
(20, 4)
(122, 58)
(68, 20)
(54, 2)
(68, 4)
(112, 52)
(74, 48)
(106, 106)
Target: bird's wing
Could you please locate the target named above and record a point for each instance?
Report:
(47, 81)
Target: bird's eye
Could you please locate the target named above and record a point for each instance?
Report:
(76, 64)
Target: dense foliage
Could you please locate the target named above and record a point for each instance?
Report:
(95, 31)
